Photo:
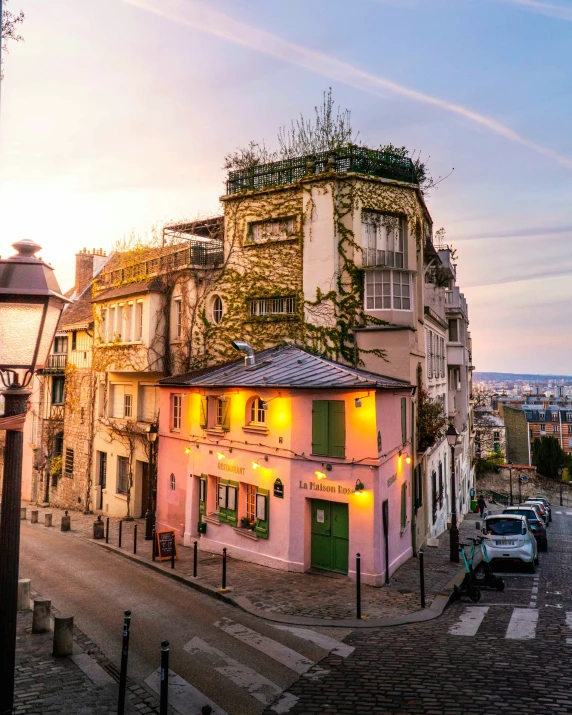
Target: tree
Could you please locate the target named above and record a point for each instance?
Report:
(10, 24)
(548, 456)
(431, 420)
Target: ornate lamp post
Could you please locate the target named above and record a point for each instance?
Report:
(510, 481)
(30, 307)
(152, 433)
(452, 439)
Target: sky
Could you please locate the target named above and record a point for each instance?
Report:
(116, 115)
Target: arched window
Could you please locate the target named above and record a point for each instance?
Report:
(258, 411)
(217, 309)
(173, 482)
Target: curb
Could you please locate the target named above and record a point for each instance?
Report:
(436, 608)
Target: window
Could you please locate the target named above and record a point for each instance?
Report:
(111, 325)
(215, 413)
(176, 401)
(382, 241)
(569, 443)
(58, 383)
(569, 429)
(127, 405)
(69, 463)
(228, 502)
(121, 401)
(543, 428)
(148, 403)
(569, 417)
(258, 411)
(556, 428)
(453, 330)
(386, 290)
(273, 230)
(178, 317)
(441, 493)
(250, 502)
(74, 340)
(329, 428)
(555, 416)
(217, 484)
(119, 327)
(403, 420)
(129, 323)
(122, 475)
(435, 349)
(496, 436)
(173, 482)
(273, 306)
(103, 325)
(139, 321)
(434, 497)
(57, 445)
(403, 506)
(541, 415)
(217, 310)
(61, 344)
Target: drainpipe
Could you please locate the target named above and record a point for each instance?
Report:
(244, 347)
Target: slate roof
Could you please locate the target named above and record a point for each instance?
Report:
(286, 367)
(125, 290)
(535, 414)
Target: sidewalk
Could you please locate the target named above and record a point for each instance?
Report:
(295, 598)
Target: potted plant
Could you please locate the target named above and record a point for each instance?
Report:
(245, 522)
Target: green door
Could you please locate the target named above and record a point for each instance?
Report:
(330, 530)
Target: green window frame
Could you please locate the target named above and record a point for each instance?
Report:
(228, 502)
(261, 528)
(403, 506)
(202, 496)
(329, 428)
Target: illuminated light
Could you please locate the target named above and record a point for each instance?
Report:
(357, 402)
(187, 450)
(320, 475)
(221, 455)
(359, 488)
(255, 465)
(408, 459)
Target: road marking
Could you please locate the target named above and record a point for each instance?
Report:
(558, 512)
(281, 653)
(522, 624)
(257, 685)
(92, 669)
(330, 644)
(569, 513)
(569, 625)
(184, 698)
(285, 704)
(469, 621)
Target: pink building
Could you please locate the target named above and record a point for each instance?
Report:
(290, 461)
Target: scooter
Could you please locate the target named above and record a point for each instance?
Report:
(489, 579)
(468, 586)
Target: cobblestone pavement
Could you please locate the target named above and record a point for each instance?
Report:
(507, 654)
(326, 596)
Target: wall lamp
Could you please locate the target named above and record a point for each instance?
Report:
(320, 475)
(256, 464)
(358, 400)
(359, 488)
(222, 455)
(407, 457)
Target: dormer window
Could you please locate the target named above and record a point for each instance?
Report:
(542, 416)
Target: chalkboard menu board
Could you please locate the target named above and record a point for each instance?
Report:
(166, 544)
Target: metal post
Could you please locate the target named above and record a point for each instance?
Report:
(150, 513)
(153, 546)
(164, 695)
(107, 530)
(173, 552)
(224, 568)
(195, 559)
(124, 655)
(454, 531)
(120, 528)
(358, 586)
(135, 538)
(422, 576)
(15, 404)
(520, 489)
(510, 484)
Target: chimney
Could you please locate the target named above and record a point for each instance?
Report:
(83, 270)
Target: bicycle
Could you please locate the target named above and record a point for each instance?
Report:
(468, 586)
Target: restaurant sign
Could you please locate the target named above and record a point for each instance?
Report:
(330, 488)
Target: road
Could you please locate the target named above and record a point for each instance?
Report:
(218, 653)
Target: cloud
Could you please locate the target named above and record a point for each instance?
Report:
(518, 233)
(557, 273)
(542, 8)
(205, 19)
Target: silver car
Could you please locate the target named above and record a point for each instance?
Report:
(508, 537)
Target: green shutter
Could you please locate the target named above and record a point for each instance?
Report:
(320, 427)
(225, 423)
(336, 428)
(204, 412)
(222, 511)
(232, 514)
(403, 505)
(202, 502)
(261, 528)
(403, 420)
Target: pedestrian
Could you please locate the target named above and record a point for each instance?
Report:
(482, 505)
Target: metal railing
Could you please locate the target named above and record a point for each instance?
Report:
(56, 363)
(352, 158)
(56, 413)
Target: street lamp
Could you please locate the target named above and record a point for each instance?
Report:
(30, 307)
(510, 480)
(561, 485)
(152, 432)
(452, 439)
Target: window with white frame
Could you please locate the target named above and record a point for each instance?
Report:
(127, 405)
(569, 417)
(273, 230)
(555, 416)
(122, 486)
(218, 411)
(60, 344)
(543, 428)
(541, 415)
(119, 328)
(139, 320)
(121, 403)
(273, 306)
(111, 324)
(258, 411)
(129, 322)
(176, 403)
(555, 428)
(217, 309)
(387, 290)
(383, 240)
(148, 404)
(178, 305)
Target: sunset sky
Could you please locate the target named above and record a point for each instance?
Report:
(116, 115)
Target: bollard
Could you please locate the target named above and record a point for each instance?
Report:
(41, 617)
(206, 710)
(135, 538)
(66, 522)
(23, 513)
(224, 568)
(63, 636)
(47, 520)
(24, 594)
(120, 529)
(98, 528)
(173, 552)
(164, 694)
(422, 576)
(358, 586)
(107, 530)
(195, 560)
(478, 525)
(34, 519)
(124, 655)
(153, 546)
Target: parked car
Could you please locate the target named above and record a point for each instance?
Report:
(536, 524)
(508, 537)
(540, 508)
(546, 503)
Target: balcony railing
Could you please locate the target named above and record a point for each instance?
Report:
(56, 413)
(56, 363)
(355, 159)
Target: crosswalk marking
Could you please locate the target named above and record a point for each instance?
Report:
(257, 685)
(331, 644)
(184, 698)
(285, 704)
(273, 649)
(469, 621)
(522, 624)
(569, 625)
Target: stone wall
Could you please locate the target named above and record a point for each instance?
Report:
(534, 486)
(516, 435)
